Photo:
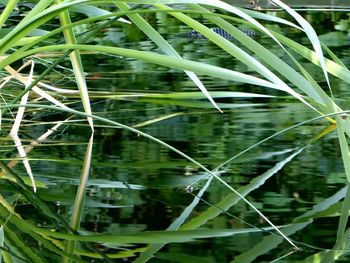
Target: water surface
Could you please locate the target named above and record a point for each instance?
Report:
(137, 185)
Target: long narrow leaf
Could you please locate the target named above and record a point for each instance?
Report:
(151, 57)
(76, 64)
(151, 237)
(231, 199)
(166, 47)
(272, 60)
(344, 147)
(78, 206)
(7, 11)
(310, 32)
(236, 52)
(152, 249)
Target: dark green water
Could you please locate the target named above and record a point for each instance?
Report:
(136, 184)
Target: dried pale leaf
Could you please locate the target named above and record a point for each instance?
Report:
(25, 161)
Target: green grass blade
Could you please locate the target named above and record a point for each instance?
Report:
(151, 57)
(152, 249)
(199, 95)
(7, 11)
(31, 197)
(57, 61)
(199, 104)
(344, 147)
(322, 206)
(218, 4)
(299, 223)
(341, 248)
(93, 11)
(333, 56)
(310, 32)
(29, 24)
(16, 242)
(344, 216)
(151, 237)
(269, 58)
(78, 206)
(166, 47)
(235, 51)
(76, 64)
(334, 68)
(39, 7)
(267, 244)
(89, 10)
(342, 240)
(231, 199)
(14, 230)
(16, 227)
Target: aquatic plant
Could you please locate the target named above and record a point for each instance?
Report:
(31, 40)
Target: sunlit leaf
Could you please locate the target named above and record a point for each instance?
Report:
(153, 237)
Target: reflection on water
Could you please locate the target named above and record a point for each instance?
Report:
(137, 184)
(304, 4)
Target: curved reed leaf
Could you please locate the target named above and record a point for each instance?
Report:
(7, 11)
(79, 202)
(199, 95)
(151, 250)
(299, 223)
(268, 243)
(218, 4)
(166, 47)
(199, 104)
(310, 32)
(76, 63)
(31, 22)
(254, 62)
(151, 237)
(39, 7)
(231, 199)
(233, 50)
(344, 146)
(332, 67)
(151, 57)
(322, 207)
(270, 59)
(341, 248)
(89, 10)
(15, 242)
(160, 40)
(19, 226)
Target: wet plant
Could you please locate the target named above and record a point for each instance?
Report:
(56, 35)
